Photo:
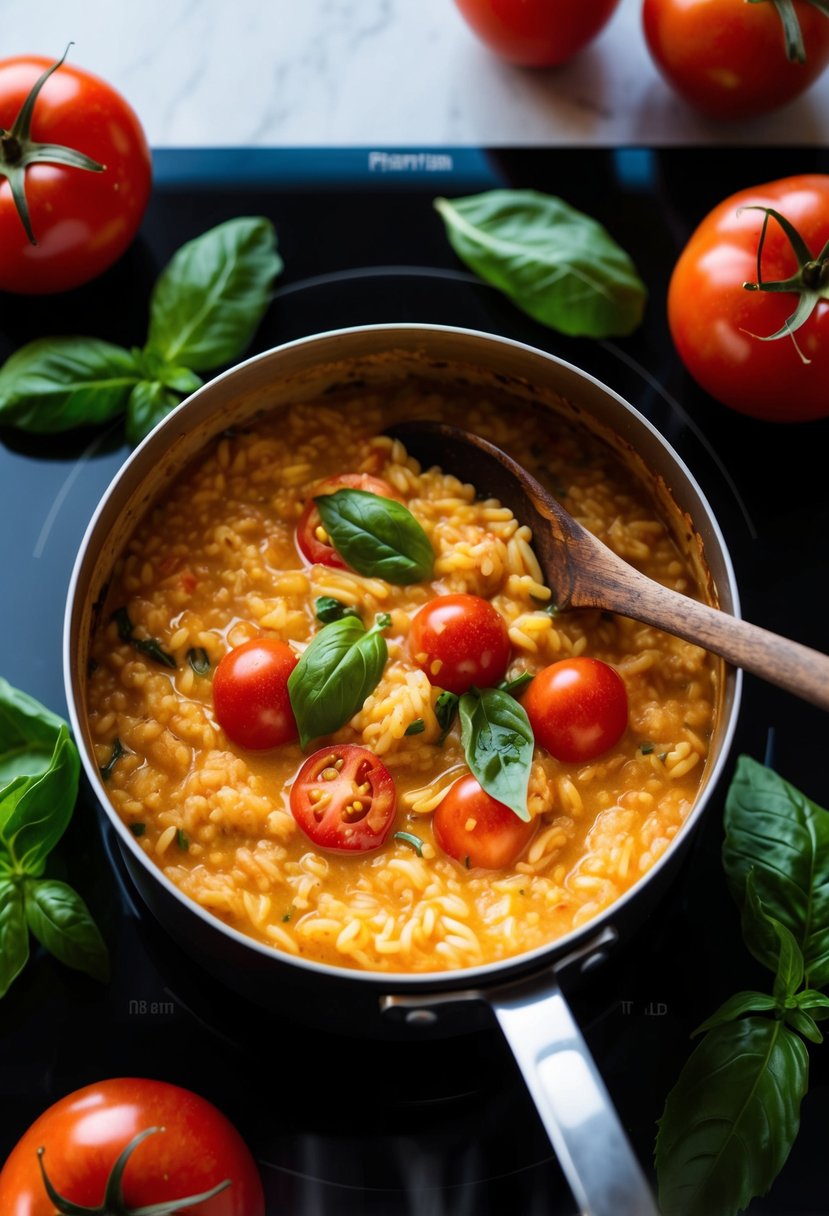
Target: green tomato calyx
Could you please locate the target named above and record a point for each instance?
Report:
(18, 150)
(792, 33)
(113, 1203)
(810, 282)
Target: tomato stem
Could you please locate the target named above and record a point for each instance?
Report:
(810, 282)
(18, 150)
(113, 1203)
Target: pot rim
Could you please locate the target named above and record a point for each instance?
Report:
(468, 977)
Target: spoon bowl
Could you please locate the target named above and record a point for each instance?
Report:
(583, 572)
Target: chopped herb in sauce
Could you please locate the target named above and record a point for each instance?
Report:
(288, 914)
(138, 829)
(415, 728)
(199, 660)
(410, 838)
(182, 839)
(118, 750)
(329, 609)
(446, 708)
(517, 685)
(646, 748)
(151, 647)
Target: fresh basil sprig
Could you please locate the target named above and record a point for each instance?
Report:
(377, 536)
(731, 1119)
(555, 263)
(204, 310)
(329, 609)
(446, 710)
(39, 770)
(498, 742)
(341, 666)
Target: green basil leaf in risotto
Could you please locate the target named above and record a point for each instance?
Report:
(54, 384)
(61, 921)
(209, 300)
(328, 609)
(446, 709)
(774, 830)
(555, 263)
(517, 685)
(731, 1119)
(340, 667)
(498, 742)
(117, 752)
(14, 936)
(378, 537)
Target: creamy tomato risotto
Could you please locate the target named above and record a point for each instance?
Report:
(419, 767)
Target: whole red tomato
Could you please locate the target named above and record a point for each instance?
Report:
(718, 326)
(193, 1150)
(537, 33)
(250, 694)
(82, 219)
(731, 59)
(473, 827)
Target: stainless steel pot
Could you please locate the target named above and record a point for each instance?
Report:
(523, 993)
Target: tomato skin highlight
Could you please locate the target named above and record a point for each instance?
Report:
(477, 830)
(712, 317)
(311, 548)
(250, 694)
(460, 641)
(537, 33)
(344, 799)
(82, 221)
(84, 1132)
(728, 59)
(578, 708)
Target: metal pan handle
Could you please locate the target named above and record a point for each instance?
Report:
(572, 1101)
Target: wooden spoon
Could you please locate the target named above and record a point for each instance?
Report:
(584, 573)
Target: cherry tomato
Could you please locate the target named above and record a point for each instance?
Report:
(472, 826)
(250, 694)
(311, 537)
(728, 58)
(344, 799)
(537, 33)
(460, 641)
(194, 1149)
(578, 708)
(82, 221)
(713, 318)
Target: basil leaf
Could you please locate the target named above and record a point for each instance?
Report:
(416, 727)
(118, 750)
(328, 609)
(517, 686)
(209, 300)
(151, 647)
(199, 660)
(35, 811)
(774, 829)
(149, 402)
(338, 670)
(498, 741)
(816, 1002)
(60, 920)
(446, 707)
(731, 1119)
(28, 731)
(735, 1007)
(804, 1024)
(54, 384)
(378, 537)
(555, 263)
(14, 936)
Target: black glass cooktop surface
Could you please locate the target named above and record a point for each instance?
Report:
(340, 1125)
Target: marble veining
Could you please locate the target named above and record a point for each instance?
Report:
(406, 73)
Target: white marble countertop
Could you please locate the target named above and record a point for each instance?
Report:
(388, 73)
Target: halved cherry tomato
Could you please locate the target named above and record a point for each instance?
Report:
(344, 799)
(311, 537)
(193, 1149)
(460, 641)
(472, 826)
(250, 694)
(578, 708)
(537, 33)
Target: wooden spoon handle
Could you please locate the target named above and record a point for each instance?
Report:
(779, 660)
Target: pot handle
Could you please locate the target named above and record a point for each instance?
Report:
(572, 1101)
